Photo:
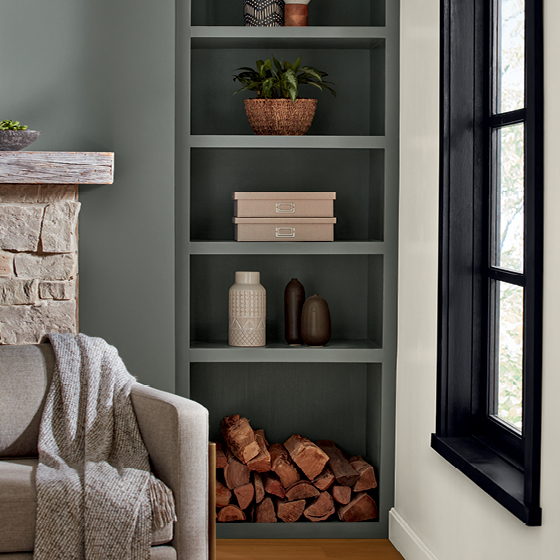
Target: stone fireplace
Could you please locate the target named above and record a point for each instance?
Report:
(39, 240)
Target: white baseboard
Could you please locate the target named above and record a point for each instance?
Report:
(405, 540)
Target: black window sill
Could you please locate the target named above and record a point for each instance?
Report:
(497, 477)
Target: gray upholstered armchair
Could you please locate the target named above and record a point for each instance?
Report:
(174, 429)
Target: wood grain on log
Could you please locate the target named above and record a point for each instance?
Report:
(221, 460)
(306, 455)
(230, 513)
(264, 512)
(361, 508)
(289, 512)
(223, 494)
(86, 168)
(341, 494)
(235, 473)
(272, 485)
(321, 508)
(343, 471)
(367, 480)
(239, 437)
(282, 465)
(262, 461)
(301, 490)
(244, 495)
(259, 488)
(324, 480)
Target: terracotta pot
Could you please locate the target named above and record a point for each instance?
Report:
(315, 321)
(296, 13)
(247, 310)
(294, 297)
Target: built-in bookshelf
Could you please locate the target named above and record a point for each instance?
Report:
(345, 391)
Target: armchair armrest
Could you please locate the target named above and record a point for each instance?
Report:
(175, 432)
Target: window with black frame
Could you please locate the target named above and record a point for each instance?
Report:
(490, 278)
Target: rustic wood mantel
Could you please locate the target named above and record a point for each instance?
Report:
(62, 168)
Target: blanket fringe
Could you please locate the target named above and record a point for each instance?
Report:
(163, 504)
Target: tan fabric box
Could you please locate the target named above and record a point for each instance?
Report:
(279, 204)
(284, 229)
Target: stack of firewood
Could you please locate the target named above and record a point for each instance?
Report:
(264, 483)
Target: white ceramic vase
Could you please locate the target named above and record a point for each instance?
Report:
(247, 311)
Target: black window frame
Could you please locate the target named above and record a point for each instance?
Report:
(503, 463)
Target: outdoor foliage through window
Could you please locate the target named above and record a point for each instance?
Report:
(509, 211)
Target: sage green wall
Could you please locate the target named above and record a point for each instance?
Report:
(98, 75)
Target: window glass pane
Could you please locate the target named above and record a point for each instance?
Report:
(509, 198)
(511, 55)
(509, 403)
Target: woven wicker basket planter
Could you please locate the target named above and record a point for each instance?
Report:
(280, 117)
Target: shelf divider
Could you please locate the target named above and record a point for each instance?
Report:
(321, 142)
(210, 37)
(286, 248)
(344, 351)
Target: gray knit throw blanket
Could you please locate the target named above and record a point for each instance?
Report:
(96, 496)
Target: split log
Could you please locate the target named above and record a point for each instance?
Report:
(221, 460)
(223, 495)
(272, 485)
(236, 473)
(343, 471)
(259, 488)
(306, 455)
(289, 512)
(324, 480)
(300, 491)
(230, 513)
(361, 508)
(262, 461)
(282, 465)
(321, 508)
(367, 479)
(264, 512)
(341, 494)
(239, 437)
(244, 495)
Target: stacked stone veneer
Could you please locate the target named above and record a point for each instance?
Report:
(38, 261)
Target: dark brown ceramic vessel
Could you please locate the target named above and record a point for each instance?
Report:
(315, 321)
(294, 297)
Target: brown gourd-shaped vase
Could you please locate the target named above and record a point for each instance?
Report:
(315, 321)
(294, 297)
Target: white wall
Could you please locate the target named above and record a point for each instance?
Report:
(437, 508)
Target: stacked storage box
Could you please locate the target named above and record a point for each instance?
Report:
(284, 216)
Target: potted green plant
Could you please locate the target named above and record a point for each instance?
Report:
(15, 137)
(277, 109)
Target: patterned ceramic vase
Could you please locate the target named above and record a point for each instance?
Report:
(247, 310)
(264, 13)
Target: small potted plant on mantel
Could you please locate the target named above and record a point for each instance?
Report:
(15, 137)
(277, 109)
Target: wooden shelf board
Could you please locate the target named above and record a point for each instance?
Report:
(61, 168)
(210, 37)
(286, 248)
(308, 141)
(343, 351)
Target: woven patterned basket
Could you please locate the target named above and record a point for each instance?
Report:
(280, 117)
